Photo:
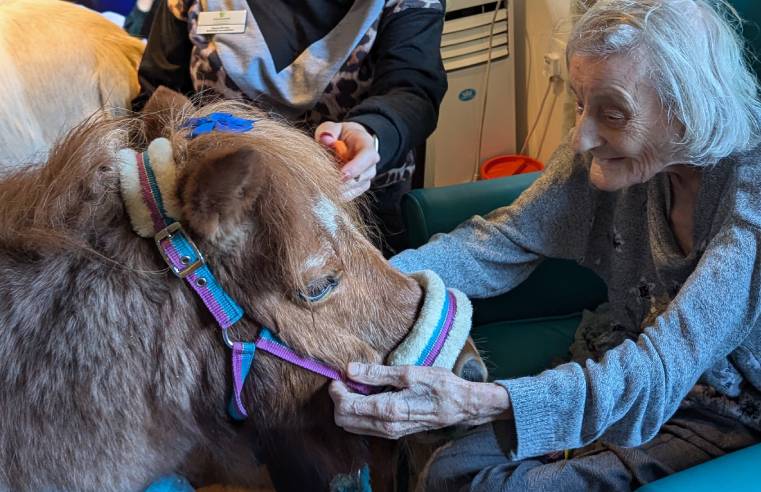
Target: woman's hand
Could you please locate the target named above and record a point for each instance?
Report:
(426, 398)
(360, 169)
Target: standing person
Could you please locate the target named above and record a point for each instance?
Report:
(367, 72)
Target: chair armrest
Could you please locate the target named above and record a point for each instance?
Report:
(428, 211)
(556, 288)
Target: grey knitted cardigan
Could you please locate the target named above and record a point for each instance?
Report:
(694, 316)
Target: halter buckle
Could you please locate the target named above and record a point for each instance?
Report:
(168, 232)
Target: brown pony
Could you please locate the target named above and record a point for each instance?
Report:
(113, 373)
(61, 63)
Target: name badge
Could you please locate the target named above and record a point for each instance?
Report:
(222, 21)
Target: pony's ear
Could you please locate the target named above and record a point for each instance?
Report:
(159, 110)
(220, 188)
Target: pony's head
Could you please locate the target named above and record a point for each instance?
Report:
(265, 206)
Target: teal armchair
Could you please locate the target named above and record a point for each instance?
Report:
(521, 332)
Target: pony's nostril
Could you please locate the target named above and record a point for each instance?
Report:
(473, 370)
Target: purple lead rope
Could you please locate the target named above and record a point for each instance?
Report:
(269, 344)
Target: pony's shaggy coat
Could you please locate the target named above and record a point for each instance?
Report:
(112, 372)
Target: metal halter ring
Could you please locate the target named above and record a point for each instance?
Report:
(226, 338)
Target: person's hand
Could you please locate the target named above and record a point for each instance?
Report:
(359, 170)
(426, 398)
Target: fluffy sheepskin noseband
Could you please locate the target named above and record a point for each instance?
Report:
(164, 177)
(440, 332)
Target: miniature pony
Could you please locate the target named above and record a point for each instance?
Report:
(112, 371)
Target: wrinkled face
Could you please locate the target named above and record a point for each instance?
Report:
(620, 121)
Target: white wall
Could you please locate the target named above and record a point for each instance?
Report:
(541, 26)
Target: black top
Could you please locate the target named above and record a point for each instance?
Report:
(290, 26)
(408, 79)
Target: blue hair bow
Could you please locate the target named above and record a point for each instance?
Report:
(221, 122)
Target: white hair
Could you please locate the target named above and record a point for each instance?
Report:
(694, 55)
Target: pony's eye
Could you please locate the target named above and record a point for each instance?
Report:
(319, 288)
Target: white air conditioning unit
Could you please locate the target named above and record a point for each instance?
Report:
(452, 150)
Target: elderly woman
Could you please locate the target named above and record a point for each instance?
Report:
(660, 194)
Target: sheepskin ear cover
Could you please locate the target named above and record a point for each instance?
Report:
(440, 332)
(160, 156)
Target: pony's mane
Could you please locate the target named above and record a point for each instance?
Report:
(40, 204)
(303, 161)
(300, 172)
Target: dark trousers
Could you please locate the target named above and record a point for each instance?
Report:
(480, 461)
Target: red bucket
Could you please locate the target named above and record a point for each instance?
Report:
(509, 165)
